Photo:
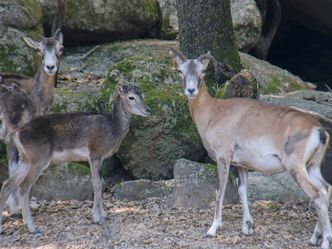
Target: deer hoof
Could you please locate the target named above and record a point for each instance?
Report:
(326, 243)
(37, 232)
(247, 227)
(316, 239)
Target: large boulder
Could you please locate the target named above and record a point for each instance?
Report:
(247, 23)
(70, 181)
(272, 79)
(18, 19)
(170, 26)
(142, 189)
(153, 144)
(195, 185)
(99, 21)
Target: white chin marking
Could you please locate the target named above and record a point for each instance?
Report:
(52, 73)
(189, 95)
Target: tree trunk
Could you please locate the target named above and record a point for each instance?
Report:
(207, 25)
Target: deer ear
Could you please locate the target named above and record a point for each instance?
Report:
(178, 57)
(58, 35)
(31, 43)
(205, 63)
(120, 89)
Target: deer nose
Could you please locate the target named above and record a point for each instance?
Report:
(50, 67)
(191, 90)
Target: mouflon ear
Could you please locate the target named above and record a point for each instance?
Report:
(58, 35)
(205, 59)
(120, 89)
(179, 58)
(32, 43)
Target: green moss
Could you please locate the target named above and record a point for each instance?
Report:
(274, 86)
(32, 8)
(220, 92)
(79, 168)
(152, 7)
(3, 154)
(67, 100)
(229, 56)
(277, 85)
(295, 86)
(211, 168)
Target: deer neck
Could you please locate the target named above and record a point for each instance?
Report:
(43, 89)
(120, 118)
(200, 107)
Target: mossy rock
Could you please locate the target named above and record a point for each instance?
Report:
(70, 181)
(154, 143)
(271, 79)
(100, 21)
(68, 100)
(19, 19)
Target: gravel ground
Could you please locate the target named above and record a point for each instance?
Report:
(155, 223)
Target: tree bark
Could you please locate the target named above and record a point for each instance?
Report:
(207, 25)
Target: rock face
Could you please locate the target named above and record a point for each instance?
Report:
(170, 27)
(279, 187)
(271, 79)
(142, 189)
(69, 181)
(247, 23)
(99, 21)
(195, 185)
(18, 19)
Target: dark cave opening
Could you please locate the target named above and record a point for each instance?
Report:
(303, 52)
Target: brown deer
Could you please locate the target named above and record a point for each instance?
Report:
(71, 137)
(256, 136)
(39, 89)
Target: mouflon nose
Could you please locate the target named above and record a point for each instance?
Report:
(50, 67)
(191, 90)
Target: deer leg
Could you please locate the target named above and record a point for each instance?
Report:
(247, 224)
(25, 187)
(319, 197)
(10, 185)
(13, 200)
(315, 175)
(223, 170)
(318, 180)
(98, 211)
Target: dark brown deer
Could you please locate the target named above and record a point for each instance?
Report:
(39, 89)
(71, 137)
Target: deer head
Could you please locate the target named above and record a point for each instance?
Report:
(191, 71)
(50, 50)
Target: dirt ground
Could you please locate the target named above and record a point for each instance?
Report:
(156, 223)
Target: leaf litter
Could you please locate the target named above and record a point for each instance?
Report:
(156, 223)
